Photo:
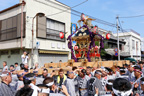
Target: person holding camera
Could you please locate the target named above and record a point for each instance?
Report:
(25, 57)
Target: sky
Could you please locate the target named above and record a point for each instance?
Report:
(106, 10)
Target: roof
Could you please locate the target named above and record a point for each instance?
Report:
(14, 6)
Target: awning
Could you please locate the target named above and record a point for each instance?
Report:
(53, 52)
(112, 53)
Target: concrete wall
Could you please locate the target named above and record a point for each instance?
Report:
(31, 8)
(142, 44)
(129, 36)
(35, 6)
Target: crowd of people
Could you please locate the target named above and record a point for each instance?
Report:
(17, 80)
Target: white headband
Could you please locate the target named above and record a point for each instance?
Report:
(142, 82)
(121, 93)
(122, 69)
(6, 74)
(109, 83)
(50, 84)
(3, 75)
(45, 90)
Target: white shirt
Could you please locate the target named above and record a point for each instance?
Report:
(24, 59)
(35, 88)
(5, 68)
(17, 68)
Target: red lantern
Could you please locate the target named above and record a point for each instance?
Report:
(108, 36)
(75, 47)
(95, 29)
(96, 47)
(61, 35)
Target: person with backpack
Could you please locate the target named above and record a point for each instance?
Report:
(95, 82)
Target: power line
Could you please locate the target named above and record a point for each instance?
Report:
(133, 16)
(68, 9)
(122, 29)
(77, 12)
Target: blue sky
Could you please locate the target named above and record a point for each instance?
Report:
(105, 10)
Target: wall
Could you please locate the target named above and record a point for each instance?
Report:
(129, 36)
(11, 59)
(45, 6)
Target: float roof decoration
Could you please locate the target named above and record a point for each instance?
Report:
(86, 37)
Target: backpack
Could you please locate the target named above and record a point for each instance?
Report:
(91, 87)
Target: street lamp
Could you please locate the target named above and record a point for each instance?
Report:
(40, 15)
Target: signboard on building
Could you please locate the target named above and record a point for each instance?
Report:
(73, 29)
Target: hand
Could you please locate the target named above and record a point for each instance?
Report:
(137, 94)
(131, 83)
(136, 85)
(52, 74)
(64, 90)
(96, 89)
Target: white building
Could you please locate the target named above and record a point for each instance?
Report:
(48, 47)
(142, 44)
(133, 44)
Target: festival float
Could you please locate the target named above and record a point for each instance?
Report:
(86, 51)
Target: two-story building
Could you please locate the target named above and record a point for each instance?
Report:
(16, 31)
(133, 43)
(142, 48)
(111, 44)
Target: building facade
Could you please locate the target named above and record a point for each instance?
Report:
(142, 49)
(16, 31)
(111, 44)
(133, 43)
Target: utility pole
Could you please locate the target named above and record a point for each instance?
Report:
(32, 51)
(118, 39)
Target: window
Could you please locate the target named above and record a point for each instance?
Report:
(5, 52)
(16, 51)
(10, 28)
(133, 44)
(137, 47)
(53, 29)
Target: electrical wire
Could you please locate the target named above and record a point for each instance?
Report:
(68, 9)
(133, 16)
(77, 13)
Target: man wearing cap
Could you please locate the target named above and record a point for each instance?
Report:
(5, 88)
(136, 79)
(130, 72)
(123, 73)
(20, 83)
(96, 84)
(49, 82)
(69, 83)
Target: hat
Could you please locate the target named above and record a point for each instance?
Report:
(5, 73)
